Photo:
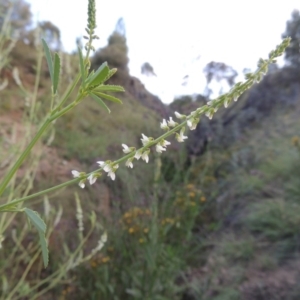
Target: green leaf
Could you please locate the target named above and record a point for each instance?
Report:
(36, 220)
(109, 88)
(108, 97)
(48, 58)
(99, 101)
(99, 76)
(40, 225)
(56, 72)
(81, 63)
(110, 73)
(44, 246)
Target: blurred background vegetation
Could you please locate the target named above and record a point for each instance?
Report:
(217, 217)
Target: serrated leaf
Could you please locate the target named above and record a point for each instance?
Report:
(100, 101)
(56, 72)
(99, 76)
(36, 220)
(108, 97)
(109, 88)
(110, 73)
(48, 58)
(81, 64)
(44, 246)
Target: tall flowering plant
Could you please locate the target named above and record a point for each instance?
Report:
(93, 83)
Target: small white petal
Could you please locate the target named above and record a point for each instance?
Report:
(180, 137)
(138, 155)
(75, 173)
(171, 123)
(145, 140)
(126, 148)
(81, 184)
(178, 115)
(160, 148)
(112, 175)
(192, 124)
(164, 125)
(145, 157)
(92, 179)
(107, 168)
(101, 163)
(129, 163)
(165, 143)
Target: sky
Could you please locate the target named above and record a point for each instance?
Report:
(179, 37)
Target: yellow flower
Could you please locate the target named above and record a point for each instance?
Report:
(295, 140)
(146, 230)
(131, 230)
(202, 199)
(105, 259)
(93, 264)
(192, 194)
(141, 240)
(190, 186)
(192, 203)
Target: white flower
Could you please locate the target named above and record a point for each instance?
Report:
(160, 148)
(226, 102)
(138, 154)
(81, 184)
(164, 125)
(126, 149)
(104, 165)
(210, 114)
(171, 123)
(180, 137)
(129, 163)
(145, 140)
(165, 143)
(112, 175)
(179, 116)
(192, 124)
(109, 168)
(111, 172)
(77, 174)
(145, 156)
(92, 178)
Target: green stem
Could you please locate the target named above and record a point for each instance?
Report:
(22, 157)
(62, 185)
(59, 186)
(67, 94)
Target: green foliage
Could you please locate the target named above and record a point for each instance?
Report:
(159, 228)
(147, 251)
(40, 225)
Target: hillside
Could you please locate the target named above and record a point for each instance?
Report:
(214, 218)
